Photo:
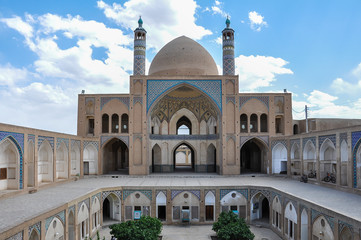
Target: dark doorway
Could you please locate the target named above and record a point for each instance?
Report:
(209, 213)
(106, 209)
(115, 157)
(162, 213)
(251, 157)
(86, 168)
(265, 208)
(183, 158)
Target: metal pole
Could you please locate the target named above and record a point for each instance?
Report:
(306, 119)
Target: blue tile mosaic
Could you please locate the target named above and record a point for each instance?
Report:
(147, 193)
(212, 88)
(244, 99)
(224, 192)
(315, 214)
(321, 139)
(196, 193)
(105, 100)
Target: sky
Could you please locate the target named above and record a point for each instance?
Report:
(51, 50)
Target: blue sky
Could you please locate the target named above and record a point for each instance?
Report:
(51, 50)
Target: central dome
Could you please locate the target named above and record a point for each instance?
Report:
(183, 56)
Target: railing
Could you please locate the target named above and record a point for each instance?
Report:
(184, 137)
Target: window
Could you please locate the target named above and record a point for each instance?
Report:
(253, 123)
(3, 173)
(115, 123)
(244, 123)
(264, 123)
(91, 126)
(105, 123)
(124, 123)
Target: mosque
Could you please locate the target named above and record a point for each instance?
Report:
(184, 120)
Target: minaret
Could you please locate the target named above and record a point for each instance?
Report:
(139, 49)
(228, 49)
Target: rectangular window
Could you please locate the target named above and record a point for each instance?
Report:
(176, 212)
(3, 173)
(137, 208)
(91, 126)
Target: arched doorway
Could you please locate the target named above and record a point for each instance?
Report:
(156, 158)
(279, 159)
(260, 209)
(115, 157)
(111, 209)
(252, 157)
(183, 158)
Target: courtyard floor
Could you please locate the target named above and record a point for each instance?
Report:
(18, 209)
(199, 232)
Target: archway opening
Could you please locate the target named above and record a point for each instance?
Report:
(183, 158)
(156, 158)
(115, 157)
(106, 210)
(251, 157)
(260, 209)
(184, 126)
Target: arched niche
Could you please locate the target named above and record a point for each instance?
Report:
(90, 160)
(75, 160)
(55, 230)
(183, 113)
(279, 159)
(276, 213)
(9, 165)
(290, 221)
(234, 201)
(210, 204)
(321, 229)
(62, 161)
(45, 163)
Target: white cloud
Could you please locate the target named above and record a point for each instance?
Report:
(256, 21)
(322, 105)
(18, 24)
(259, 71)
(10, 75)
(177, 18)
(342, 86)
(218, 40)
(218, 9)
(59, 73)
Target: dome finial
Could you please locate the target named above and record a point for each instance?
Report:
(140, 21)
(228, 22)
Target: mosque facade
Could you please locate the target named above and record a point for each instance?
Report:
(183, 117)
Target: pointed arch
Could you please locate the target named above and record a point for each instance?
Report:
(295, 151)
(62, 161)
(254, 156)
(9, 164)
(34, 235)
(75, 160)
(111, 206)
(210, 203)
(290, 222)
(156, 158)
(327, 151)
(279, 158)
(189, 159)
(45, 162)
(161, 202)
(95, 213)
(260, 207)
(55, 230)
(322, 229)
(276, 212)
(71, 225)
(309, 151)
(234, 201)
(211, 158)
(90, 160)
(304, 225)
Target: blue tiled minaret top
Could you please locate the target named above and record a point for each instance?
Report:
(228, 49)
(139, 49)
